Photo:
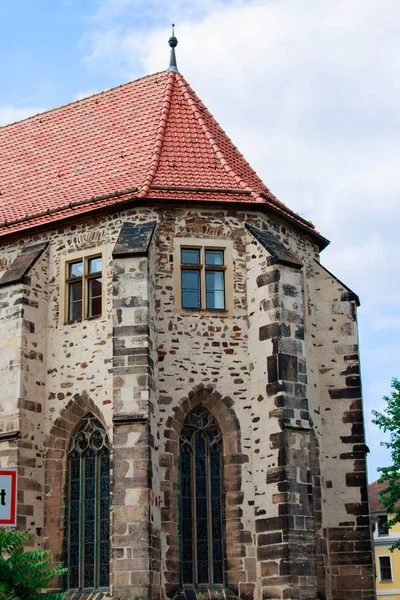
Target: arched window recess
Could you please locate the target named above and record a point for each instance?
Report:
(88, 507)
(201, 535)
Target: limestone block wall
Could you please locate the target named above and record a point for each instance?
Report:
(343, 466)
(284, 499)
(136, 518)
(23, 336)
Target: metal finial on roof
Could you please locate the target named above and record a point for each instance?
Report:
(173, 42)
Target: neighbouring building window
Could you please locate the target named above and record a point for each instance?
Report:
(201, 535)
(84, 288)
(88, 507)
(203, 278)
(385, 568)
(382, 521)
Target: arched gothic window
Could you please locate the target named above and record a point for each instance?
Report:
(201, 538)
(88, 507)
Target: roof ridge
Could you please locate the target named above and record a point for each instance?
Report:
(215, 147)
(51, 110)
(158, 144)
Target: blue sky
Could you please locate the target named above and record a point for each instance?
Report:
(309, 91)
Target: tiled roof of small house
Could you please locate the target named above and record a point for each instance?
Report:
(373, 490)
(150, 138)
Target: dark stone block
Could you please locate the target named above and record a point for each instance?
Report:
(273, 388)
(272, 368)
(247, 591)
(265, 539)
(290, 290)
(352, 439)
(351, 370)
(272, 552)
(353, 380)
(353, 416)
(131, 330)
(358, 508)
(267, 278)
(342, 393)
(274, 330)
(299, 334)
(358, 429)
(271, 524)
(356, 479)
(349, 296)
(287, 367)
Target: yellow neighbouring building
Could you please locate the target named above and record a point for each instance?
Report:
(387, 563)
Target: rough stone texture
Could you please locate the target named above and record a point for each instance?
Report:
(280, 374)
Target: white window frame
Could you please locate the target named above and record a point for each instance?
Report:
(379, 568)
(382, 535)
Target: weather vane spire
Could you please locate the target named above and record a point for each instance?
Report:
(173, 42)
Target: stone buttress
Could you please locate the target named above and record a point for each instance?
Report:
(23, 337)
(135, 562)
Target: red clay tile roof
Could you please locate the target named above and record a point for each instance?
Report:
(373, 491)
(151, 138)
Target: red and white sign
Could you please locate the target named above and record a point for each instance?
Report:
(8, 497)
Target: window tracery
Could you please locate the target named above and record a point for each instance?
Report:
(201, 536)
(88, 509)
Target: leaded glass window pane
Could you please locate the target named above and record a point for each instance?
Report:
(88, 543)
(104, 559)
(202, 549)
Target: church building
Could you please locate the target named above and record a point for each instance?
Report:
(179, 375)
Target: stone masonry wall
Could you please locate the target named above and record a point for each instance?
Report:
(23, 335)
(282, 460)
(141, 368)
(343, 464)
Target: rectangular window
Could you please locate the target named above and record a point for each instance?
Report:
(84, 288)
(385, 568)
(382, 524)
(203, 278)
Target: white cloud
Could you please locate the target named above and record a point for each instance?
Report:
(309, 96)
(9, 114)
(309, 92)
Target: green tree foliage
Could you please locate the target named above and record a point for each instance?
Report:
(24, 574)
(389, 422)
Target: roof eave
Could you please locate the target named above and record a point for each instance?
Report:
(316, 237)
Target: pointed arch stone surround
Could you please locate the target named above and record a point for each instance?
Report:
(236, 538)
(56, 468)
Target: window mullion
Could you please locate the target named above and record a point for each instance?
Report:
(209, 515)
(85, 284)
(194, 511)
(82, 524)
(202, 277)
(97, 522)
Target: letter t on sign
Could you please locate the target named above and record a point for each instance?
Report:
(8, 497)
